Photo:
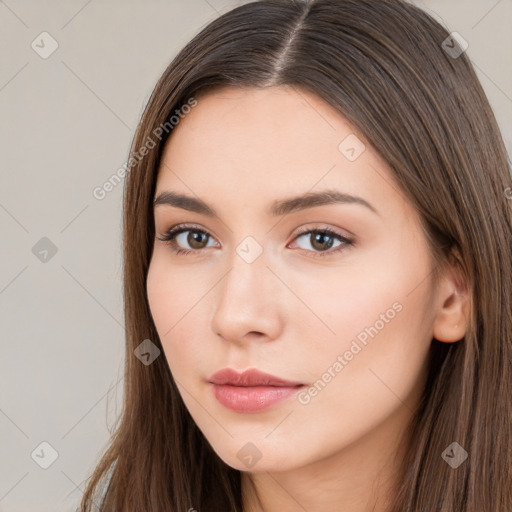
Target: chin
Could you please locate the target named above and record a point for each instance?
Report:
(249, 458)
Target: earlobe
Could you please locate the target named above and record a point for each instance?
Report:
(449, 334)
(451, 321)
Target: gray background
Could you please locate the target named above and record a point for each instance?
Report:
(66, 125)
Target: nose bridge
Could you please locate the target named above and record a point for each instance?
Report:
(246, 300)
(246, 282)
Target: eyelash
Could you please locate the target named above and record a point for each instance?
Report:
(172, 233)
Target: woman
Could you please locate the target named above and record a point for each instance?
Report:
(318, 270)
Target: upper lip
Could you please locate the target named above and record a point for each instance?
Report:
(252, 377)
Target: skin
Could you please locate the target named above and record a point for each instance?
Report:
(290, 313)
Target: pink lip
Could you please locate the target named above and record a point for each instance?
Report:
(252, 390)
(250, 377)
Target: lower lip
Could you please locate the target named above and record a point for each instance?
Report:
(252, 399)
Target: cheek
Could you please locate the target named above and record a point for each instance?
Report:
(175, 302)
(160, 294)
(171, 292)
(381, 322)
(350, 303)
(384, 290)
(371, 371)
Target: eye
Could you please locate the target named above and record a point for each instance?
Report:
(322, 240)
(196, 238)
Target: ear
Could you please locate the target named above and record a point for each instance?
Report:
(453, 303)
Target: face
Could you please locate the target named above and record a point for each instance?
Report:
(332, 294)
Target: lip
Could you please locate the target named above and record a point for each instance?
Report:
(251, 391)
(251, 377)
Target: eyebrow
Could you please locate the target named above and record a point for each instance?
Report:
(277, 208)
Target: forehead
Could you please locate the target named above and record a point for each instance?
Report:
(255, 145)
(270, 125)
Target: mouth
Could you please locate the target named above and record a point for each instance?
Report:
(250, 378)
(251, 391)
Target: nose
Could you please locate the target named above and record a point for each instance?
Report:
(249, 302)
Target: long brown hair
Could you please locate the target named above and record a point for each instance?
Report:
(386, 66)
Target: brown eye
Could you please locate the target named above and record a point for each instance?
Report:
(180, 237)
(196, 239)
(322, 240)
